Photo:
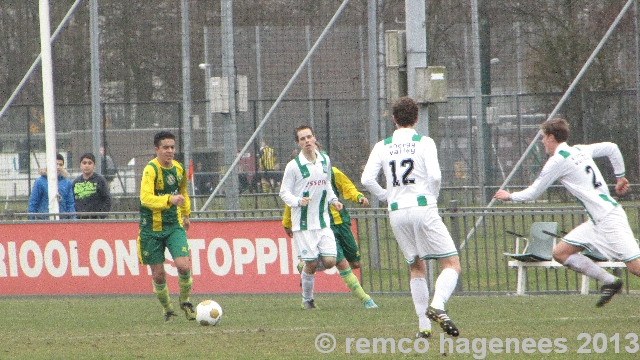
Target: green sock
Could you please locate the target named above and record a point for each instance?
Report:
(353, 284)
(162, 293)
(185, 281)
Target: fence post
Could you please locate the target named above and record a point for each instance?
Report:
(455, 232)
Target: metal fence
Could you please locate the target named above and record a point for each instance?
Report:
(481, 248)
(342, 130)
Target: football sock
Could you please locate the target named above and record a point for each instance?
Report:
(584, 265)
(353, 284)
(307, 286)
(162, 293)
(445, 284)
(420, 295)
(264, 188)
(185, 281)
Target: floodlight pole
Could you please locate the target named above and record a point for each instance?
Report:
(207, 77)
(230, 122)
(185, 140)
(95, 86)
(416, 37)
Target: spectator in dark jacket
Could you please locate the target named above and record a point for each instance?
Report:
(90, 190)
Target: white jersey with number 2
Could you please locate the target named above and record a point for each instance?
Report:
(574, 167)
(410, 165)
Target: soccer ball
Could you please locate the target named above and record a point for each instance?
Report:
(208, 312)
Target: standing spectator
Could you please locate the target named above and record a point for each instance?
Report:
(267, 166)
(90, 189)
(109, 167)
(39, 199)
(412, 172)
(164, 218)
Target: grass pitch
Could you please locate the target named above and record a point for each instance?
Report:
(274, 327)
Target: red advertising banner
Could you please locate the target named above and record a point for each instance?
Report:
(102, 258)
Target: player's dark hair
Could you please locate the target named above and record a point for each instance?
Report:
(300, 128)
(88, 156)
(405, 111)
(558, 127)
(60, 157)
(157, 138)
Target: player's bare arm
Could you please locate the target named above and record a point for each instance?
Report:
(502, 195)
(304, 201)
(364, 201)
(622, 185)
(177, 200)
(186, 222)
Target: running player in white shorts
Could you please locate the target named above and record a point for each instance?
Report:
(608, 229)
(410, 165)
(306, 188)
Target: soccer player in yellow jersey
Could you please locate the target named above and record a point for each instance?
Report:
(164, 219)
(348, 253)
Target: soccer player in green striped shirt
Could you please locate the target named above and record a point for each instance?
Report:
(348, 257)
(306, 188)
(164, 219)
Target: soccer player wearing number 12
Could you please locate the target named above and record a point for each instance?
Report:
(412, 172)
(608, 229)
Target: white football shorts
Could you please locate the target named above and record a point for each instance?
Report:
(420, 232)
(612, 236)
(314, 243)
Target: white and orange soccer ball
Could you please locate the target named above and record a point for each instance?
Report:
(208, 313)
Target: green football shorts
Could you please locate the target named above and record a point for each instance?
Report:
(151, 244)
(345, 243)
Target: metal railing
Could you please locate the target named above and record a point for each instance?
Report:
(484, 267)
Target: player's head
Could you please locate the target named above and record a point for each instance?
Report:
(157, 138)
(405, 111)
(299, 129)
(305, 138)
(558, 127)
(165, 146)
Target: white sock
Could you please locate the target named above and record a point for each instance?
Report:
(445, 285)
(584, 265)
(307, 286)
(420, 295)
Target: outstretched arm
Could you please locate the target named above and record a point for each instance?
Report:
(622, 185)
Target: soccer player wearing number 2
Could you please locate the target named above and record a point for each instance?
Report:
(410, 165)
(608, 229)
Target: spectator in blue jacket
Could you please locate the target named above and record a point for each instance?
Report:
(39, 199)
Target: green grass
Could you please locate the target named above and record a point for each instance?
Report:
(273, 326)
